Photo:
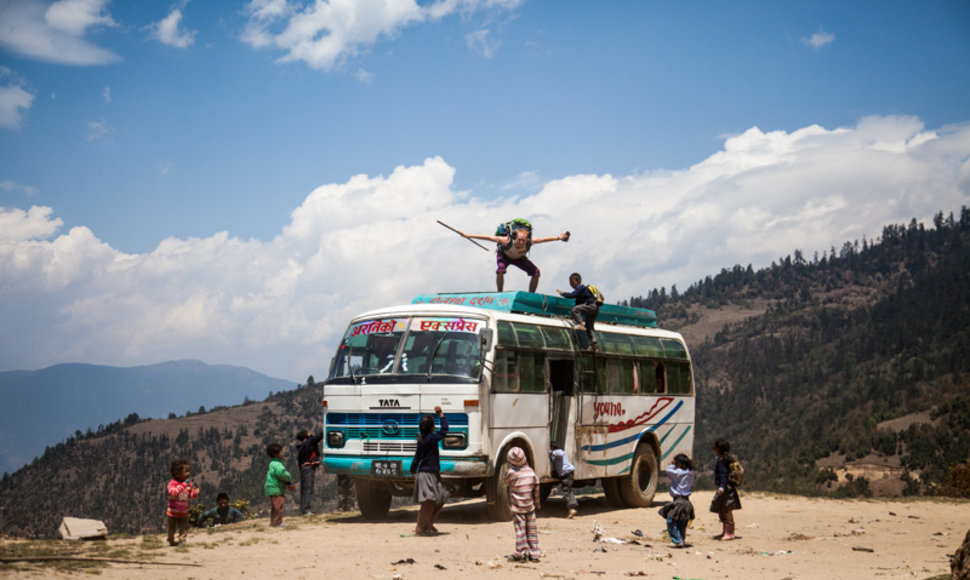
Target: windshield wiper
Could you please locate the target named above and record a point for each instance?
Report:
(435, 352)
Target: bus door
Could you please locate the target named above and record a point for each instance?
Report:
(592, 430)
(563, 387)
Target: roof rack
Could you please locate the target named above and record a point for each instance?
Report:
(540, 304)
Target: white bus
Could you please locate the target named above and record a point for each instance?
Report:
(508, 369)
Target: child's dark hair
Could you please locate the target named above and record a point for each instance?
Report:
(302, 434)
(683, 462)
(177, 465)
(554, 446)
(222, 496)
(722, 446)
(575, 276)
(426, 425)
(274, 449)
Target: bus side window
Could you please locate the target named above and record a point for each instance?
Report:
(587, 374)
(532, 372)
(619, 376)
(504, 379)
(679, 378)
(661, 378)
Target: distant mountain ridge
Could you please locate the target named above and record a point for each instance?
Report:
(42, 407)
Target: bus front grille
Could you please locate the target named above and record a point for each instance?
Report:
(388, 447)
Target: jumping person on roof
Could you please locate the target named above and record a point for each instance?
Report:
(514, 241)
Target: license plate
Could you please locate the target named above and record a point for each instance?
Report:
(385, 468)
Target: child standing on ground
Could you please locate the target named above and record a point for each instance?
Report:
(726, 498)
(565, 471)
(429, 492)
(277, 478)
(523, 486)
(180, 491)
(679, 511)
(307, 457)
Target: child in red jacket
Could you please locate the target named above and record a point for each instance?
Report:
(180, 491)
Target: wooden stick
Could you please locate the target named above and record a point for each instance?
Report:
(463, 235)
(8, 559)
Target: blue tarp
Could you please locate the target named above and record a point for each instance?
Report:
(541, 304)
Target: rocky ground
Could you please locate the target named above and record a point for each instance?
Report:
(782, 537)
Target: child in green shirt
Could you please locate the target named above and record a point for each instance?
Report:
(277, 477)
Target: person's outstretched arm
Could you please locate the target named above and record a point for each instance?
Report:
(496, 239)
(563, 236)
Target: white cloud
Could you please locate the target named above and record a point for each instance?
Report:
(8, 185)
(324, 33)
(55, 33)
(106, 94)
(98, 130)
(819, 39)
(168, 31)
(278, 306)
(15, 101)
(482, 44)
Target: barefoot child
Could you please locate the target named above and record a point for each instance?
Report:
(277, 478)
(523, 486)
(679, 511)
(726, 498)
(180, 491)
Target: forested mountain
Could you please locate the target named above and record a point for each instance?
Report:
(827, 375)
(48, 405)
(119, 473)
(861, 355)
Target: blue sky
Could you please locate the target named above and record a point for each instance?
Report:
(232, 181)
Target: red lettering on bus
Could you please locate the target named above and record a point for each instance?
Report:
(608, 409)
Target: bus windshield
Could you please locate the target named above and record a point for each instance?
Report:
(409, 349)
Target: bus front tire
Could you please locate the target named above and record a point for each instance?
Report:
(373, 498)
(639, 487)
(497, 494)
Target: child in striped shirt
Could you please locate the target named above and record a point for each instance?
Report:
(523, 486)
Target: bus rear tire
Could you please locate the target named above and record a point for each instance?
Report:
(373, 498)
(497, 494)
(611, 489)
(640, 486)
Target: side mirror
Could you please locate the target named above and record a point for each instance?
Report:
(486, 337)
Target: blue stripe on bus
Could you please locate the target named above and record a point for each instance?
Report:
(612, 461)
(632, 438)
(676, 443)
(629, 456)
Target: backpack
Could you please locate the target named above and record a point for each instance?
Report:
(735, 472)
(597, 295)
(511, 230)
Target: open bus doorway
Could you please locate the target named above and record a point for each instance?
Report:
(563, 386)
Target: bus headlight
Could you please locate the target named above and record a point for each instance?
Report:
(454, 441)
(335, 438)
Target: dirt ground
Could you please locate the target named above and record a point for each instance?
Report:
(782, 537)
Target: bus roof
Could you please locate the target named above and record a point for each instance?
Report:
(541, 304)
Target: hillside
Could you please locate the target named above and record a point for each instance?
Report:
(76, 398)
(119, 473)
(849, 373)
(845, 375)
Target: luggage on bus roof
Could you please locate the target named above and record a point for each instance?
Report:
(541, 304)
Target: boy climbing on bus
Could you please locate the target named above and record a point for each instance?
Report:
(588, 301)
(514, 241)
